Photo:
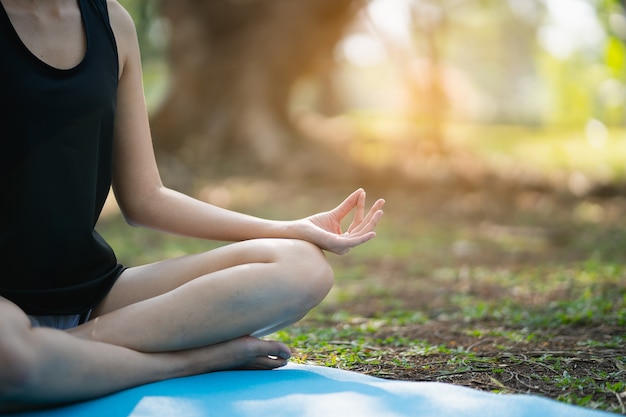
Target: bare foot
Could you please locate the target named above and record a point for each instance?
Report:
(243, 353)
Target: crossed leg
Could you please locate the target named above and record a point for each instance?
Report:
(247, 288)
(179, 317)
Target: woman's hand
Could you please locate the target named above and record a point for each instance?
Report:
(324, 229)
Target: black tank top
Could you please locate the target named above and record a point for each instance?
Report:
(56, 134)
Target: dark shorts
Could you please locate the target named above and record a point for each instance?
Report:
(60, 322)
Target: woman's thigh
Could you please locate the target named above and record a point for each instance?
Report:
(246, 288)
(144, 282)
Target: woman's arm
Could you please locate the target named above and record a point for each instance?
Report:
(145, 201)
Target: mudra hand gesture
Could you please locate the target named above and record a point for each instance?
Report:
(324, 229)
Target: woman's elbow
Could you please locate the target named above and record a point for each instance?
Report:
(135, 207)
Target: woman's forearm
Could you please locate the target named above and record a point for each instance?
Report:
(177, 213)
(168, 210)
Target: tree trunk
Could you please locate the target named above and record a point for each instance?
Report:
(232, 67)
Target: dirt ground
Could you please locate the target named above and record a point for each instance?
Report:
(495, 363)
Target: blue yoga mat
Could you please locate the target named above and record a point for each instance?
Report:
(311, 391)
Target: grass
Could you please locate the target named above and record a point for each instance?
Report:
(509, 293)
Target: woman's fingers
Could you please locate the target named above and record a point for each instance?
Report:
(361, 228)
(346, 243)
(359, 213)
(362, 233)
(369, 222)
(348, 204)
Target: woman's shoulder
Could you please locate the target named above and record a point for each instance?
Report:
(121, 21)
(124, 31)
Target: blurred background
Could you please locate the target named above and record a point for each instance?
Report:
(495, 130)
(463, 93)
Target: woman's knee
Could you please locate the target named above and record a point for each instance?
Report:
(307, 268)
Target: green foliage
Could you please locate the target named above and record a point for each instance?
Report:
(615, 57)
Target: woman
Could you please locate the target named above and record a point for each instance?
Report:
(74, 324)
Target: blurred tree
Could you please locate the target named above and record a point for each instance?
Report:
(429, 19)
(495, 42)
(492, 42)
(232, 67)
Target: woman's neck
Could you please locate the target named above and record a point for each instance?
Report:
(51, 29)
